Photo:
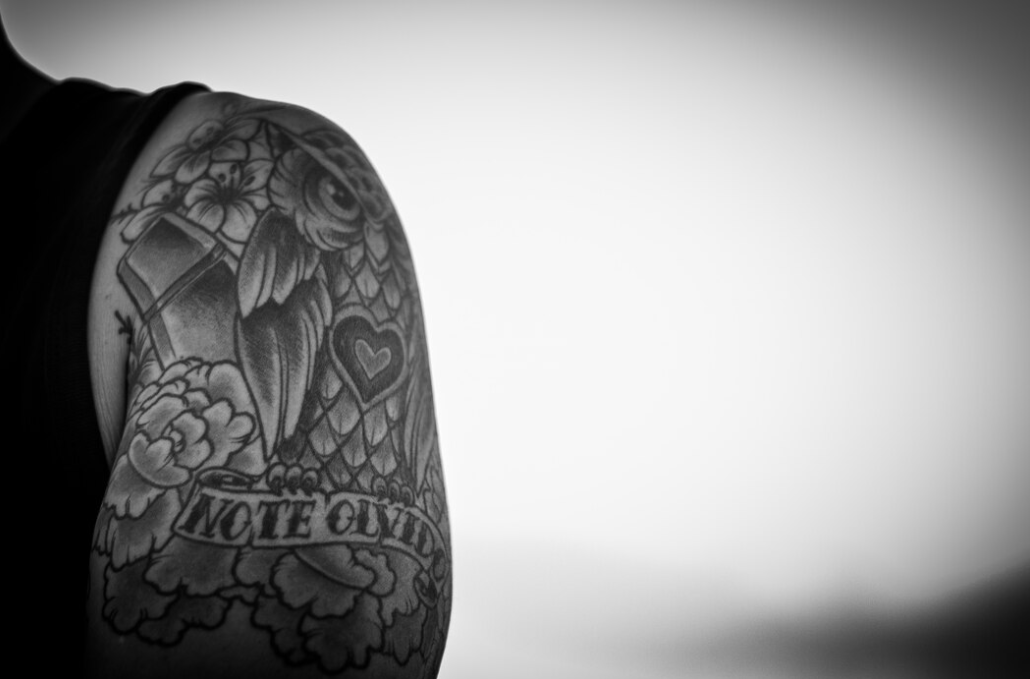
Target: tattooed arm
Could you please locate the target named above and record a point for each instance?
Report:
(276, 502)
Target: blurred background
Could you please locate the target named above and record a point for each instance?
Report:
(728, 305)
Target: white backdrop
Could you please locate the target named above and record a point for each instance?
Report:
(728, 302)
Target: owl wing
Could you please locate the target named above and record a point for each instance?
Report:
(285, 309)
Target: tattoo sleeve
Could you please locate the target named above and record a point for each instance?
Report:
(279, 463)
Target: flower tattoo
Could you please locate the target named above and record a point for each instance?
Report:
(280, 452)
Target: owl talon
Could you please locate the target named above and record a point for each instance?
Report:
(392, 491)
(309, 481)
(276, 478)
(293, 475)
(292, 478)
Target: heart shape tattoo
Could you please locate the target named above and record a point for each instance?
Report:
(372, 361)
(370, 355)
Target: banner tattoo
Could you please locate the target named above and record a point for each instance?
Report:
(280, 451)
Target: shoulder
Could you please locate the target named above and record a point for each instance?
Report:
(208, 133)
(278, 484)
(216, 161)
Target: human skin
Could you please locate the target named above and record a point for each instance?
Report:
(276, 500)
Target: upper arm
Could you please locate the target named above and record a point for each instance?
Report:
(276, 498)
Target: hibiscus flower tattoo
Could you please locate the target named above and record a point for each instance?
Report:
(229, 198)
(211, 142)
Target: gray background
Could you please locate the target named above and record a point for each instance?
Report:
(728, 302)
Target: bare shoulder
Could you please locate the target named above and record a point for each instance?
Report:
(210, 161)
(276, 497)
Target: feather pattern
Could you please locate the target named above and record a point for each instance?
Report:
(285, 308)
(274, 262)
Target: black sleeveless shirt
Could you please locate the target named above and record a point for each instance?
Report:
(63, 166)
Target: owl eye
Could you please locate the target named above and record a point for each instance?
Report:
(338, 200)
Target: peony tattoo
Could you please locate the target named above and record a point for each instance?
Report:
(280, 449)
